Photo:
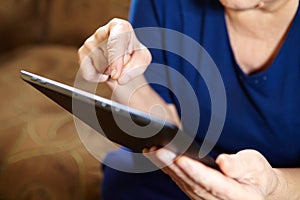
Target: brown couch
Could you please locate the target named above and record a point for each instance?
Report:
(41, 155)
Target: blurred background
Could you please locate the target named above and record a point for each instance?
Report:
(41, 155)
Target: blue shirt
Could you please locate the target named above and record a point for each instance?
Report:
(262, 109)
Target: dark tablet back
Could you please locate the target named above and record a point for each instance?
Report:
(121, 124)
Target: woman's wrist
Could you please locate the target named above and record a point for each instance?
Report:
(278, 186)
(287, 187)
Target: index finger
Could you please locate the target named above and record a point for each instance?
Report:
(120, 45)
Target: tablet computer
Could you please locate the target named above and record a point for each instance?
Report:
(121, 124)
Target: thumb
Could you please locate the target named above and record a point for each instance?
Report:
(241, 164)
(231, 165)
(135, 66)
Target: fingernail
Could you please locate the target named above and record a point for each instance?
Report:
(145, 150)
(113, 74)
(166, 156)
(153, 149)
(102, 78)
(126, 59)
(224, 160)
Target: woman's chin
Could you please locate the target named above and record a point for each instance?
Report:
(240, 4)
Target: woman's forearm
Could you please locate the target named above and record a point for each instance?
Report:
(138, 94)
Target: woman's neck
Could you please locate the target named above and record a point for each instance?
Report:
(257, 34)
(263, 21)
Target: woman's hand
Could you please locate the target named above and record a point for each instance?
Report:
(113, 51)
(114, 55)
(245, 175)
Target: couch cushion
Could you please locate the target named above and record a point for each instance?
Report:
(71, 22)
(41, 155)
(60, 21)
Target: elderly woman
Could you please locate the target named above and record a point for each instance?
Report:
(255, 45)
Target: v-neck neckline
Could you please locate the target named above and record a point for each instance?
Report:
(278, 56)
